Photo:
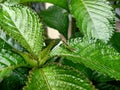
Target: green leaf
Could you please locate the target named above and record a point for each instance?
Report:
(94, 18)
(101, 78)
(9, 61)
(4, 45)
(16, 80)
(22, 24)
(5, 41)
(4, 73)
(57, 77)
(113, 85)
(8, 42)
(78, 66)
(114, 41)
(61, 3)
(57, 18)
(97, 56)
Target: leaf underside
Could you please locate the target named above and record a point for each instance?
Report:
(56, 77)
(22, 24)
(95, 18)
(97, 56)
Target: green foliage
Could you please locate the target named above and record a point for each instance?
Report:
(16, 80)
(61, 3)
(94, 18)
(57, 18)
(16, 21)
(94, 55)
(114, 41)
(88, 62)
(8, 42)
(57, 77)
(79, 66)
(8, 60)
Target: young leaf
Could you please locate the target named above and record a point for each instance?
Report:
(56, 77)
(57, 18)
(22, 24)
(94, 18)
(61, 3)
(97, 56)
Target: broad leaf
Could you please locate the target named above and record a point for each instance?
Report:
(61, 3)
(94, 18)
(56, 77)
(9, 61)
(22, 24)
(57, 18)
(97, 56)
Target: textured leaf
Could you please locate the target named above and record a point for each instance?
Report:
(8, 43)
(97, 56)
(54, 77)
(57, 18)
(94, 18)
(9, 61)
(23, 25)
(61, 3)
